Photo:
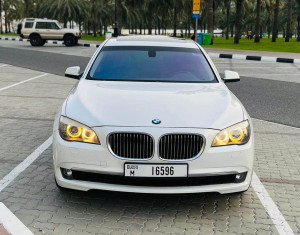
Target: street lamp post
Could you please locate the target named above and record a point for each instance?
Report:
(116, 21)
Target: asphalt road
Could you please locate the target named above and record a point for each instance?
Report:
(264, 99)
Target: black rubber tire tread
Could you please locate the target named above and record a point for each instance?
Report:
(70, 41)
(36, 40)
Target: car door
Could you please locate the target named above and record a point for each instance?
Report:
(41, 28)
(53, 30)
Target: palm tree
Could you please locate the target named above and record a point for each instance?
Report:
(257, 26)
(1, 30)
(120, 15)
(210, 11)
(150, 7)
(228, 3)
(100, 9)
(177, 7)
(289, 19)
(238, 21)
(175, 15)
(275, 22)
(298, 20)
(267, 14)
(63, 10)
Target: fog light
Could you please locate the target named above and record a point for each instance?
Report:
(239, 178)
(67, 173)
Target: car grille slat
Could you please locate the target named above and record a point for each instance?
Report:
(131, 145)
(180, 146)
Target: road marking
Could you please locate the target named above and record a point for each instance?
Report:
(278, 220)
(11, 223)
(23, 165)
(19, 83)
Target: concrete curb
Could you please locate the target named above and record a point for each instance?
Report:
(14, 39)
(48, 42)
(255, 58)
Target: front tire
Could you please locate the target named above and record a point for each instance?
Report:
(36, 41)
(43, 42)
(70, 41)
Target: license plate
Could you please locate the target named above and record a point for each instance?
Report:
(156, 170)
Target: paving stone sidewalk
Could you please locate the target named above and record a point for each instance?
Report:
(26, 119)
(36, 201)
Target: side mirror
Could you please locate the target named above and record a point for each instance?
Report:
(73, 72)
(231, 76)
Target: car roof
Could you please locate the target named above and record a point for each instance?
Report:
(163, 41)
(38, 20)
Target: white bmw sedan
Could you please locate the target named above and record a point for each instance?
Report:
(152, 115)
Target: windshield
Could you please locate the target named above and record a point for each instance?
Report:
(156, 64)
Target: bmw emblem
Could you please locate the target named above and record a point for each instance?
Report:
(156, 121)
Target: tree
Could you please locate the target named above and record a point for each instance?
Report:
(1, 30)
(298, 28)
(120, 16)
(238, 21)
(210, 11)
(257, 25)
(298, 21)
(275, 22)
(62, 10)
(228, 3)
(175, 15)
(150, 15)
(289, 21)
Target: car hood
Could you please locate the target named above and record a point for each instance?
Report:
(112, 103)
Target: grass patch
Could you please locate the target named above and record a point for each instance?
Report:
(9, 34)
(264, 45)
(92, 38)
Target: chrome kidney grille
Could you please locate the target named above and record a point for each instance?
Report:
(180, 146)
(131, 145)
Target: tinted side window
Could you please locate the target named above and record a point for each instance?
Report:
(41, 25)
(52, 25)
(28, 25)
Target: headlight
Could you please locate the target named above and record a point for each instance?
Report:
(237, 134)
(74, 131)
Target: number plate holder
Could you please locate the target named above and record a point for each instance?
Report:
(155, 170)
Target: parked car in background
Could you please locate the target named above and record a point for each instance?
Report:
(41, 30)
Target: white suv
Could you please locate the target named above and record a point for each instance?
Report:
(40, 30)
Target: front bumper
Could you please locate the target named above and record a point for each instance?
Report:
(98, 159)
